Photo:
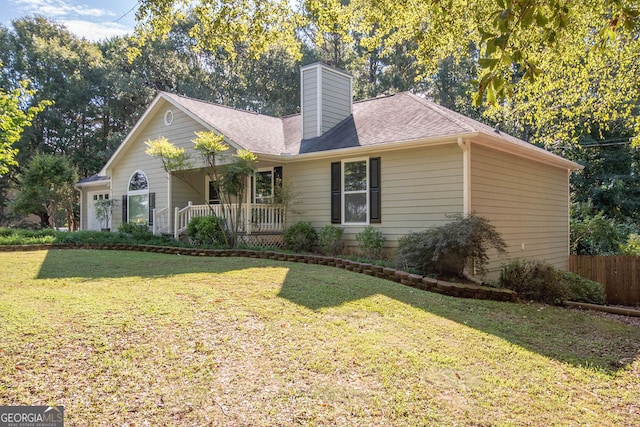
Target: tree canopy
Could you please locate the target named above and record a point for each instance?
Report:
(551, 68)
(47, 188)
(13, 120)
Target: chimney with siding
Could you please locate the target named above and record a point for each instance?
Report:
(325, 98)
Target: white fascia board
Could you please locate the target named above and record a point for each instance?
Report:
(528, 152)
(148, 112)
(106, 182)
(132, 132)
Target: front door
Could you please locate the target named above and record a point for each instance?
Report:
(93, 222)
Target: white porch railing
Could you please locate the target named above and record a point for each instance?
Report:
(161, 221)
(254, 218)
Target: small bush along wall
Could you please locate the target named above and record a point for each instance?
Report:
(330, 238)
(299, 237)
(450, 248)
(539, 281)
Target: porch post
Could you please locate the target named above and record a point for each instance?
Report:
(175, 223)
(247, 216)
(169, 199)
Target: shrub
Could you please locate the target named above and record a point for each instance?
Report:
(534, 280)
(632, 246)
(137, 231)
(370, 242)
(450, 248)
(330, 238)
(207, 230)
(583, 290)
(596, 234)
(12, 236)
(299, 237)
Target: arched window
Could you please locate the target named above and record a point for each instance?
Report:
(138, 199)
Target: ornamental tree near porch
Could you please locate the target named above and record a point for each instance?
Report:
(230, 180)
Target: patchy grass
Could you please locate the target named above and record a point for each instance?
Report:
(132, 338)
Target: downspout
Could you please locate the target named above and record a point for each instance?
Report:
(465, 146)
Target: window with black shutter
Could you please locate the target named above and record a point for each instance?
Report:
(355, 191)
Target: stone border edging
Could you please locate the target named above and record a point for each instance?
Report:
(604, 308)
(398, 276)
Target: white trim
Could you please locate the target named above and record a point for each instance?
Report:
(90, 202)
(301, 104)
(142, 192)
(133, 131)
(344, 193)
(106, 182)
(319, 100)
(146, 178)
(466, 175)
(152, 110)
(168, 117)
(489, 141)
(80, 227)
(169, 199)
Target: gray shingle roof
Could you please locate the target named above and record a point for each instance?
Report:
(390, 119)
(93, 178)
(252, 131)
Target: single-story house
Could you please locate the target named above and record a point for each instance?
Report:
(409, 165)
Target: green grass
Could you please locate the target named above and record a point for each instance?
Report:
(132, 338)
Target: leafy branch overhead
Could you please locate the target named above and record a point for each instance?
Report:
(13, 120)
(510, 33)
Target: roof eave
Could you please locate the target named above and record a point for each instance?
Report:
(482, 138)
(143, 118)
(376, 148)
(79, 185)
(132, 132)
(531, 152)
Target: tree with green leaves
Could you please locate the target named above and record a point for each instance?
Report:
(228, 174)
(47, 189)
(13, 120)
(565, 63)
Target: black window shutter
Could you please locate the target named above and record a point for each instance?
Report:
(375, 215)
(152, 206)
(336, 196)
(125, 215)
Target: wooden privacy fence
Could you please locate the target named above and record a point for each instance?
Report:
(620, 275)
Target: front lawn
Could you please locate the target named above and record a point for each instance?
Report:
(134, 338)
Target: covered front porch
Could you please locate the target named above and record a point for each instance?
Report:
(255, 218)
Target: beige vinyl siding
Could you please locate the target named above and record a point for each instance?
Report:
(526, 201)
(310, 102)
(191, 191)
(420, 187)
(336, 99)
(133, 158)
